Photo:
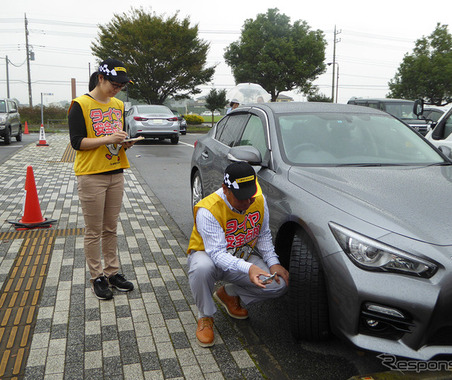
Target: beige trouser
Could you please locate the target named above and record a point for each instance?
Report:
(101, 199)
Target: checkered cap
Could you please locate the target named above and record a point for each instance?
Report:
(114, 70)
(240, 177)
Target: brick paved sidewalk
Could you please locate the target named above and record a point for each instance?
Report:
(51, 325)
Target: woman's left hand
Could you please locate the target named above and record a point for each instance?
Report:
(128, 144)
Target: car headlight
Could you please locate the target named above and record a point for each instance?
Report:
(371, 254)
(2, 119)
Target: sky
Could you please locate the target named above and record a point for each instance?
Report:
(372, 39)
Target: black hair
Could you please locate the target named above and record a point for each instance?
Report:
(93, 81)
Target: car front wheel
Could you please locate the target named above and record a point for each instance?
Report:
(308, 309)
(19, 135)
(7, 136)
(197, 192)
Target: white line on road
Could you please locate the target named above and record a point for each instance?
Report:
(184, 143)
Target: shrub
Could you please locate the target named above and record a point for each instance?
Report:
(194, 119)
(33, 115)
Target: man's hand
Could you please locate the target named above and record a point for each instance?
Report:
(280, 271)
(255, 272)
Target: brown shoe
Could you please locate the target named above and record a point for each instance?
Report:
(232, 304)
(204, 332)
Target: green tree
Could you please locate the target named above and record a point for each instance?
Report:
(163, 57)
(427, 72)
(277, 55)
(315, 96)
(216, 100)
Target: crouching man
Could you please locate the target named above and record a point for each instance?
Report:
(231, 242)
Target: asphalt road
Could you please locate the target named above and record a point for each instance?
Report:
(7, 151)
(165, 168)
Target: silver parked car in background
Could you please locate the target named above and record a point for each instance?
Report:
(10, 121)
(152, 121)
(360, 212)
(182, 121)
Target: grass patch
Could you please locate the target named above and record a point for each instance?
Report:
(198, 128)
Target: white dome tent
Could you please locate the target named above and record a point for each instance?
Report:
(247, 93)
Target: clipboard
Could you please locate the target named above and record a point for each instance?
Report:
(133, 139)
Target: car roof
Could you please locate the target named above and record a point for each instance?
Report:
(386, 100)
(294, 107)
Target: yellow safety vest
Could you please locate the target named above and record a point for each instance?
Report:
(101, 120)
(241, 231)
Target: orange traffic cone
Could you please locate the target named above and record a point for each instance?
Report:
(42, 137)
(32, 217)
(26, 129)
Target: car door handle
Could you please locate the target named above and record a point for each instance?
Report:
(205, 155)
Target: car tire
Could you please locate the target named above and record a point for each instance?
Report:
(174, 139)
(308, 301)
(19, 135)
(183, 133)
(197, 191)
(7, 136)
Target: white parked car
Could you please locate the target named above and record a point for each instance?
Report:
(152, 122)
(441, 132)
(209, 113)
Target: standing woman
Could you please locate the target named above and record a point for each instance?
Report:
(96, 127)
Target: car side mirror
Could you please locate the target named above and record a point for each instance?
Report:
(246, 153)
(418, 107)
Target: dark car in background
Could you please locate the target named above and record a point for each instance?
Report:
(9, 121)
(182, 121)
(400, 108)
(152, 121)
(360, 211)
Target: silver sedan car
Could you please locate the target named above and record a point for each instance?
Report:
(152, 121)
(360, 212)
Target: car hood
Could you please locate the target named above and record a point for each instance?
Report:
(411, 201)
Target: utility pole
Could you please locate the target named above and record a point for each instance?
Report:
(30, 100)
(335, 40)
(7, 78)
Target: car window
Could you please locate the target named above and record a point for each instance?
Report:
(448, 127)
(254, 135)
(219, 127)
(433, 115)
(12, 106)
(2, 106)
(231, 131)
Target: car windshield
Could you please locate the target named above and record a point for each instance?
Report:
(351, 139)
(401, 110)
(2, 106)
(153, 109)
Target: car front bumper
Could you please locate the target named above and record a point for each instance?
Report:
(390, 312)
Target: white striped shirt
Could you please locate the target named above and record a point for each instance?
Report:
(214, 240)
